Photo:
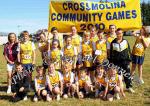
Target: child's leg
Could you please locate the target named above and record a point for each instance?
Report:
(140, 68)
(101, 94)
(73, 89)
(56, 90)
(133, 69)
(117, 89)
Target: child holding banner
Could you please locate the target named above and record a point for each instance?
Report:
(44, 47)
(138, 52)
(10, 54)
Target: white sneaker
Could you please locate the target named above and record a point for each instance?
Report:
(117, 96)
(58, 97)
(48, 98)
(9, 90)
(131, 90)
(25, 98)
(141, 81)
(35, 99)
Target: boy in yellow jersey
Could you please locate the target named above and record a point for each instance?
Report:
(68, 81)
(44, 47)
(87, 50)
(26, 53)
(40, 84)
(56, 54)
(138, 53)
(69, 52)
(57, 35)
(100, 82)
(114, 85)
(84, 84)
(54, 81)
(76, 39)
(110, 37)
(101, 48)
(93, 34)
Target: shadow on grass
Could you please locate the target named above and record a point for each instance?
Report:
(3, 88)
(6, 97)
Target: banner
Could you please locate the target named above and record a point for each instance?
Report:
(84, 14)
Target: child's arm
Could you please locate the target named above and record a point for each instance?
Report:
(105, 92)
(145, 43)
(48, 83)
(134, 33)
(61, 83)
(18, 55)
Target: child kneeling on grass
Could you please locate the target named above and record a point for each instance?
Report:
(100, 82)
(84, 84)
(54, 81)
(69, 86)
(20, 83)
(40, 83)
(114, 85)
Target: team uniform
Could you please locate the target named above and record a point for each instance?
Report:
(101, 46)
(101, 83)
(26, 51)
(94, 39)
(40, 83)
(69, 54)
(43, 47)
(55, 57)
(112, 83)
(54, 80)
(139, 51)
(68, 78)
(82, 82)
(87, 50)
(109, 39)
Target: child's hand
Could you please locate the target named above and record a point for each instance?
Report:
(104, 98)
(14, 94)
(124, 95)
(21, 89)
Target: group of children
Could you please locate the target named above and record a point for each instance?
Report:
(71, 68)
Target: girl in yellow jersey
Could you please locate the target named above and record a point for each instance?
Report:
(69, 52)
(142, 42)
(84, 84)
(101, 48)
(87, 50)
(68, 81)
(40, 83)
(56, 54)
(114, 85)
(100, 82)
(54, 81)
(76, 39)
(44, 47)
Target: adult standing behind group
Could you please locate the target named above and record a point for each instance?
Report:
(120, 56)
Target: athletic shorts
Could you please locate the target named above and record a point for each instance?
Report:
(82, 90)
(10, 67)
(137, 59)
(112, 92)
(102, 88)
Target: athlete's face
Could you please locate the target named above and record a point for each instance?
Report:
(93, 32)
(42, 37)
(25, 37)
(12, 38)
(119, 35)
(55, 44)
(68, 41)
(51, 68)
(40, 72)
(100, 71)
(112, 72)
(100, 35)
(74, 30)
(112, 29)
(55, 32)
(83, 74)
(19, 68)
(66, 68)
(87, 37)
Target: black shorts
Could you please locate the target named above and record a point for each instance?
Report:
(65, 91)
(45, 66)
(82, 90)
(43, 97)
(112, 92)
(137, 59)
(102, 88)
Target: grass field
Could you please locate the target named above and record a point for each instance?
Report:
(140, 98)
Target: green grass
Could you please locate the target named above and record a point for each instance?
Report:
(140, 98)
